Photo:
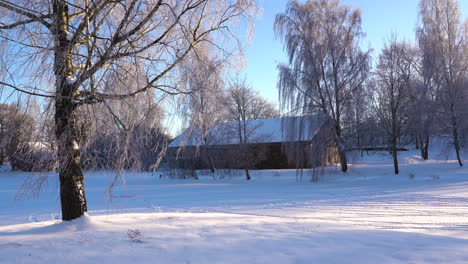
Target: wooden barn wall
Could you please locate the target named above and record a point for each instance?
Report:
(259, 156)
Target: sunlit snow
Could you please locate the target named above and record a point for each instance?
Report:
(368, 215)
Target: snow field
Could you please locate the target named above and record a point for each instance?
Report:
(368, 215)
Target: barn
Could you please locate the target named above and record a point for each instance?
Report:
(277, 143)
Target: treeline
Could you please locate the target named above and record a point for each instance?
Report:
(129, 134)
(117, 135)
(407, 94)
(16, 127)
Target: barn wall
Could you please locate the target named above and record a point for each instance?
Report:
(259, 156)
(320, 151)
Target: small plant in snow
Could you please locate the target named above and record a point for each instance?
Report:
(33, 219)
(83, 240)
(135, 235)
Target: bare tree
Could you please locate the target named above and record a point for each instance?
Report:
(75, 46)
(16, 128)
(444, 43)
(202, 75)
(424, 107)
(393, 88)
(357, 115)
(326, 64)
(244, 105)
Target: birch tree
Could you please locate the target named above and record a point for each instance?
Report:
(424, 108)
(202, 77)
(67, 50)
(357, 115)
(444, 42)
(325, 62)
(393, 88)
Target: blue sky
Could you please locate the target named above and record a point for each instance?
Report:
(380, 18)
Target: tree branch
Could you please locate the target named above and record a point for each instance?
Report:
(22, 11)
(26, 92)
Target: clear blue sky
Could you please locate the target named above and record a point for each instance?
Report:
(380, 18)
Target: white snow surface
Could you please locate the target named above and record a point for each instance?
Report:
(368, 215)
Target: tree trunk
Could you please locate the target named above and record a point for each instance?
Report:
(2, 157)
(395, 156)
(343, 160)
(207, 159)
(245, 162)
(206, 156)
(425, 148)
(360, 144)
(194, 174)
(395, 161)
(212, 166)
(456, 141)
(341, 149)
(72, 194)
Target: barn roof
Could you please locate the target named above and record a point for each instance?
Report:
(274, 130)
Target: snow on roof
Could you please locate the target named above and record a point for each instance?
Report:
(274, 130)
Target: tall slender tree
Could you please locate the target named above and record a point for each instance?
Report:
(444, 42)
(393, 88)
(326, 63)
(202, 75)
(424, 107)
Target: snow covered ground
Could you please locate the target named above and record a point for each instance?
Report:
(368, 215)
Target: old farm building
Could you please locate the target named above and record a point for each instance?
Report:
(278, 143)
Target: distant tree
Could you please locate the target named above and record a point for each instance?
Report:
(243, 102)
(202, 109)
(243, 106)
(357, 117)
(68, 51)
(444, 42)
(424, 108)
(394, 75)
(7, 128)
(16, 128)
(326, 64)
